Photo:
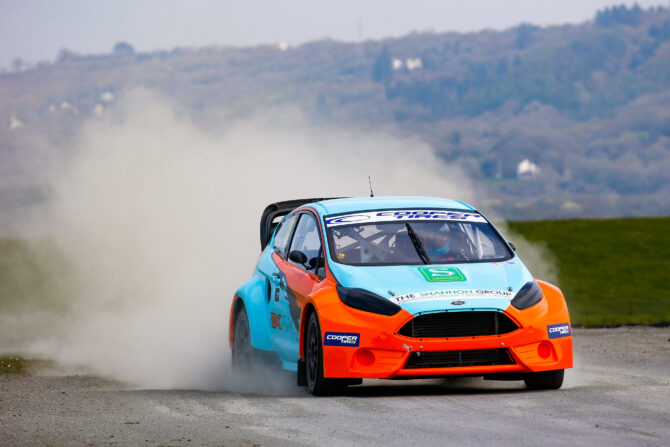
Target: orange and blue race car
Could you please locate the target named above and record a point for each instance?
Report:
(395, 288)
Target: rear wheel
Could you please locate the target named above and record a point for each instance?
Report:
(242, 343)
(316, 383)
(545, 380)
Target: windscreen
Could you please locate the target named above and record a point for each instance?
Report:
(398, 237)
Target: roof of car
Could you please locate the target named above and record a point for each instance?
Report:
(355, 204)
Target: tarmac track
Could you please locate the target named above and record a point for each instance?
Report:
(618, 395)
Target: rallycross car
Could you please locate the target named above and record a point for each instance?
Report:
(395, 287)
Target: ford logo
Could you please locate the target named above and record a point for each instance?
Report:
(457, 303)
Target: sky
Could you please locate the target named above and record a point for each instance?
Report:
(35, 30)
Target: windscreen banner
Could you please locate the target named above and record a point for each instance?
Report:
(403, 215)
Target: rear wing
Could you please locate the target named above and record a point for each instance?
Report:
(274, 213)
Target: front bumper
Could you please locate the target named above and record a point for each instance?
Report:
(386, 354)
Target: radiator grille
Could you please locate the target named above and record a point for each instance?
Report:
(458, 324)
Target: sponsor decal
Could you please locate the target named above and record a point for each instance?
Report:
(407, 347)
(432, 295)
(402, 215)
(558, 330)
(282, 322)
(458, 303)
(442, 274)
(341, 339)
(348, 219)
(275, 320)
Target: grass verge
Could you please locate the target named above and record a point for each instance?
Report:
(612, 271)
(13, 365)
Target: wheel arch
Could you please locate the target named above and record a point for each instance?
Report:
(253, 297)
(307, 310)
(555, 299)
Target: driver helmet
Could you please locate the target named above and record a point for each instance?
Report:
(435, 237)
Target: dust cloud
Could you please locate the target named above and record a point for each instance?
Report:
(156, 215)
(535, 255)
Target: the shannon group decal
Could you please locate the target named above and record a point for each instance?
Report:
(341, 339)
(451, 294)
(442, 274)
(402, 215)
(558, 330)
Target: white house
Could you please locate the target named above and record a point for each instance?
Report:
(527, 169)
(413, 64)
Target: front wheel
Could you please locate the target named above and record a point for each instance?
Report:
(316, 383)
(545, 380)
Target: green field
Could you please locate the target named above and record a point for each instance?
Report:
(613, 271)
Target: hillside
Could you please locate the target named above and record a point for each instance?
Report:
(588, 105)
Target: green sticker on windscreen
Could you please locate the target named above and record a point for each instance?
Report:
(442, 274)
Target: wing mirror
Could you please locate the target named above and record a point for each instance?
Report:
(298, 257)
(511, 244)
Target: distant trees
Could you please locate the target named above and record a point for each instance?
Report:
(660, 32)
(524, 36)
(382, 70)
(561, 75)
(619, 15)
(123, 49)
(647, 50)
(65, 55)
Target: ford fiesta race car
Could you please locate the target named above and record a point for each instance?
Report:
(395, 287)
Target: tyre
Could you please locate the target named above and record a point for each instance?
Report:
(241, 360)
(545, 380)
(316, 383)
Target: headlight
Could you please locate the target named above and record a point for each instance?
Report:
(367, 301)
(529, 295)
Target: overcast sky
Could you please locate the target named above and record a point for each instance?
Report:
(36, 30)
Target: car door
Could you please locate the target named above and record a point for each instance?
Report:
(298, 282)
(277, 302)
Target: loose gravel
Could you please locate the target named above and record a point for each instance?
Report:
(618, 394)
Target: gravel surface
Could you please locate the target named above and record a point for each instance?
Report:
(617, 395)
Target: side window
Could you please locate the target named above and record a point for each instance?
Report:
(308, 241)
(283, 234)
